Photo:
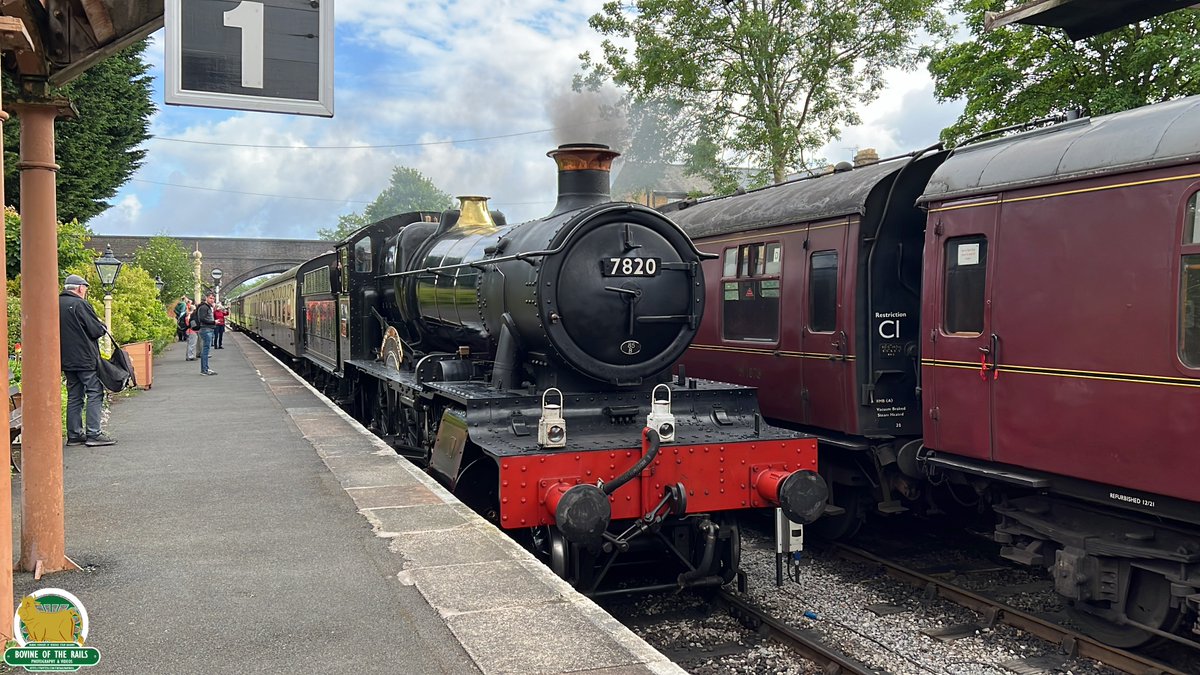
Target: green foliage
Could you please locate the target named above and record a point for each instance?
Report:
(73, 238)
(247, 286)
(137, 313)
(767, 82)
(98, 151)
(1020, 73)
(346, 224)
(409, 190)
(14, 321)
(165, 257)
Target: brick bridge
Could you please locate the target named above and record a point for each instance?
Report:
(239, 259)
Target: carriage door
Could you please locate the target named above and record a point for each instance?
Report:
(959, 348)
(342, 293)
(825, 334)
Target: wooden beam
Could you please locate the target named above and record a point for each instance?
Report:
(101, 21)
(13, 35)
(30, 61)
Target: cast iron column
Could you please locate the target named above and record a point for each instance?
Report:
(42, 520)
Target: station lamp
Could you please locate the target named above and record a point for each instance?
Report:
(107, 268)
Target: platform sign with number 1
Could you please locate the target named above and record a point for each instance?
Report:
(268, 55)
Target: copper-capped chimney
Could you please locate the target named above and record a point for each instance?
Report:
(583, 175)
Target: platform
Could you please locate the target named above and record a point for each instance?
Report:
(244, 524)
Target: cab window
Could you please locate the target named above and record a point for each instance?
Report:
(750, 288)
(362, 255)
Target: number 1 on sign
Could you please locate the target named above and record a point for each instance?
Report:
(248, 16)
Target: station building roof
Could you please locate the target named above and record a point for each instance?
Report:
(1083, 18)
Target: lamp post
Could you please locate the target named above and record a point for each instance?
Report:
(107, 268)
(216, 275)
(197, 263)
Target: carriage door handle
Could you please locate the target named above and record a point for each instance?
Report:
(840, 345)
(988, 357)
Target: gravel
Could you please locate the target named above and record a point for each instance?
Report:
(832, 597)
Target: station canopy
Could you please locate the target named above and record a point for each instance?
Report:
(69, 36)
(1083, 18)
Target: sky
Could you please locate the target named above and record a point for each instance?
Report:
(471, 93)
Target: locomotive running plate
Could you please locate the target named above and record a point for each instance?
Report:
(630, 267)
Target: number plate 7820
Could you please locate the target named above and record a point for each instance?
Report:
(630, 267)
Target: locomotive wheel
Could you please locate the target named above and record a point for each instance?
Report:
(728, 556)
(478, 487)
(552, 548)
(846, 525)
(560, 554)
(1148, 602)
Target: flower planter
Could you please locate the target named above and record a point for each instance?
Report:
(142, 356)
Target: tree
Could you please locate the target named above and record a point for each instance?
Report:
(769, 81)
(98, 151)
(73, 237)
(408, 190)
(166, 258)
(346, 224)
(1021, 73)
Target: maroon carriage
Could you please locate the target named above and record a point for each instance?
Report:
(1049, 296)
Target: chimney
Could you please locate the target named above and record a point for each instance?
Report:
(866, 156)
(583, 175)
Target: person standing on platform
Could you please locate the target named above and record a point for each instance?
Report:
(181, 312)
(79, 328)
(207, 323)
(192, 332)
(219, 336)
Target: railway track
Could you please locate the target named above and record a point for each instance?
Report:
(1073, 643)
(801, 641)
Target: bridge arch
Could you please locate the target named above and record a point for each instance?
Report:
(240, 259)
(269, 268)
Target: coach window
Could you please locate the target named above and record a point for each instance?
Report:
(822, 291)
(966, 282)
(362, 255)
(1189, 301)
(750, 292)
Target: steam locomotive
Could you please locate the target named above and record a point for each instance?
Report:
(529, 366)
(1013, 324)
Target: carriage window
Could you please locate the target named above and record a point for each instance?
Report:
(730, 268)
(822, 291)
(750, 300)
(966, 282)
(1191, 233)
(362, 255)
(1189, 312)
(774, 259)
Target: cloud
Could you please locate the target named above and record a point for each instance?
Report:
(905, 118)
(472, 93)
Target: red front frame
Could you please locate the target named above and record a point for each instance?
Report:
(717, 477)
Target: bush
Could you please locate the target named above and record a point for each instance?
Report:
(137, 314)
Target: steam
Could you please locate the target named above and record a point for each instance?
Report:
(590, 117)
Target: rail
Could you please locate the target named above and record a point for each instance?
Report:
(811, 648)
(1073, 642)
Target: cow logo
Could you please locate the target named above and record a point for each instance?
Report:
(631, 347)
(50, 629)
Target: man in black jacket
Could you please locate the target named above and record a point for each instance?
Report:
(207, 323)
(79, 328)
